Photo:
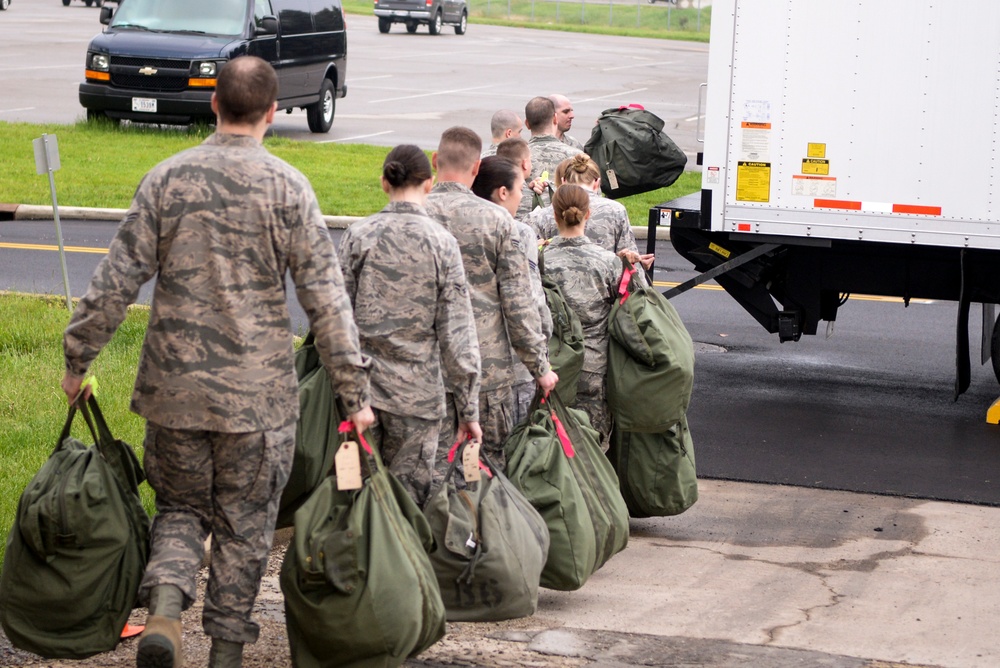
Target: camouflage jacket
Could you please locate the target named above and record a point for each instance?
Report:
(546, 154)
(571, 141)
(499, 280)
(404, 275)
(588, 276)
(528, 243)
(488, 151)
(608, 226)
(220, 225)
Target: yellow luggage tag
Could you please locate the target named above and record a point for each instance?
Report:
(348, 463)
(470, 461)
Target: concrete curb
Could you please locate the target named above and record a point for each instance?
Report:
(28, 212)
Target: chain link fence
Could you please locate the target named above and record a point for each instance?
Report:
(673, 15)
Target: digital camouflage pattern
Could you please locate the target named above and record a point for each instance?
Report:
(571, 141)
(488, 151)
(496, 419)
(588, 276)
(527, 242)
(499, 282)
(196, 475)
(220, 225)
(408, 446)
(546, 154)
(592, 399)
(403, 272)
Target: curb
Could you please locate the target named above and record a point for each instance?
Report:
(28, 212)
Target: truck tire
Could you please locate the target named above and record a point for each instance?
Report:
(463, 24)
(4, 4)
(995, 349)
(89, 3)
(320, 114)
(411, 26)
(65, 3)
(384, 24)
(436, 24)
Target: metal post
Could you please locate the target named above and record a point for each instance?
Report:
(611, 18)
(638, 13)
(532, 11)
(46, 162)
(583, 7)
(699, 15)
(669, 9)
(508, 9)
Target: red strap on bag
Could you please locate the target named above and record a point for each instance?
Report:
(346, 427)
(631, 106)
(567, 444)
(627, 274)
(454, 451)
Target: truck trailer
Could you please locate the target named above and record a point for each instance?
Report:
(849, 148)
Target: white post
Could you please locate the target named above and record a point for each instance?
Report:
(47, 162)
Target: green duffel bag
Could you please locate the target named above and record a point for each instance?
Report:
(491, 546)
(650, 359)
(316, 437)
(566, 347)
(656, 471)
(358, 584)
(78, 547)
(554, 459)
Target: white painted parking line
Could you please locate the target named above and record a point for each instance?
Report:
(442, 92)
(11, 111)
(694, 118)
(380, 76)
(377, 134)
(628, 67)
(604, 97)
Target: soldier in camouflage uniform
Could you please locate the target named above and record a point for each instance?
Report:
(564, 120)
(608, 225)
(546, 149)
(588, 276)
(499, 180)
(516, 150)
(219, 225)
(404, 275)
(504, 125)
(500, 284)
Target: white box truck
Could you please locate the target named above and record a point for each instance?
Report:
(849, 147)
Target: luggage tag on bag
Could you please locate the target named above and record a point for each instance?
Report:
(348, 463)
(612, 179)
(470, 462)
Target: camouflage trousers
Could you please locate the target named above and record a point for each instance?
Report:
(592, 399)
(408, 446)
(226, 485)
(524, 394)
(496, 409)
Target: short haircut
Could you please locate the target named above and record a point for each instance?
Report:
(459, 149)
(570, 204)
(579, 169)
(406, 165)
(495, 171)
(515, 149)
(245, 90)
(538, 113)
(504, 120)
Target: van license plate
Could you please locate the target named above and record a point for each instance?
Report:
(146, 104)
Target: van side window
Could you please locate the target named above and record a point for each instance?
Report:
(295, 17)
(261, 9)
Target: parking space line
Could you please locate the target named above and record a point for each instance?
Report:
(9, 111)
(442, 92)
(377, 134)
(627, 67)
(604, 97)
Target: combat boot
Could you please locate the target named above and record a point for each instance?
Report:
(160, 642)
(225, 654)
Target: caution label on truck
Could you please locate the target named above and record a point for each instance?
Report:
(816, 166)
(753, 181)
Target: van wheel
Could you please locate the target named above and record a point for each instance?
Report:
(65, 3)
(4, 4)
(462, 25)
(320, 115)
(89, 3)
(436, 25)
(384, 24)
(411, 26)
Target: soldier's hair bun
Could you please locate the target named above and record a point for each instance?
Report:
(570, 204)
(578, 169)
(406, 165)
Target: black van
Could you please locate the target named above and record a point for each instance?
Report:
(156, 62)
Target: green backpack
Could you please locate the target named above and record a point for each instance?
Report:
(566, 348)
(491, 546)
(633, 152)
(78, 548)
(359, 587)
(316, 437)
(554, 459)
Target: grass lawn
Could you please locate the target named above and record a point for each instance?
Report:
(102, 165)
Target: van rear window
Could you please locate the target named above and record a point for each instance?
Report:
(217, 17)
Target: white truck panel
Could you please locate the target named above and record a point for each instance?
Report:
(864, 120)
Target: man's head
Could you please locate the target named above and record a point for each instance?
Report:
(504, 125)
(458, 153)
(246, 90)
(516, 150)
(564, 113)
(539, 116)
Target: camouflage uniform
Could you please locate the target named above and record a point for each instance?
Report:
(588, 276)
(524, 385)
(405, 278)
(571, 141)
(490, 150)
(546, 154)
(506, 316)
(220, 225)
(608, 226)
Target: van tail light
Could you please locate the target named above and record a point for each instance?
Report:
(430, 3)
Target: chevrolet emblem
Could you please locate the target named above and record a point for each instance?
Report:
(148, 71)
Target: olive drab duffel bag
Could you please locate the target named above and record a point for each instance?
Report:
(566, 347)
(316, 437)
(358, 584)
(554, 458)
(633, 152)
(491, 544)
(650, 376)
(78, 547)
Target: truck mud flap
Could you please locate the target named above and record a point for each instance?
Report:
(963, 367)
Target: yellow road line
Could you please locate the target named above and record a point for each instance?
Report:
(43, 247)
(863, 298)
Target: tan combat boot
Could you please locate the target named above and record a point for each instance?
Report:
(160, 643)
